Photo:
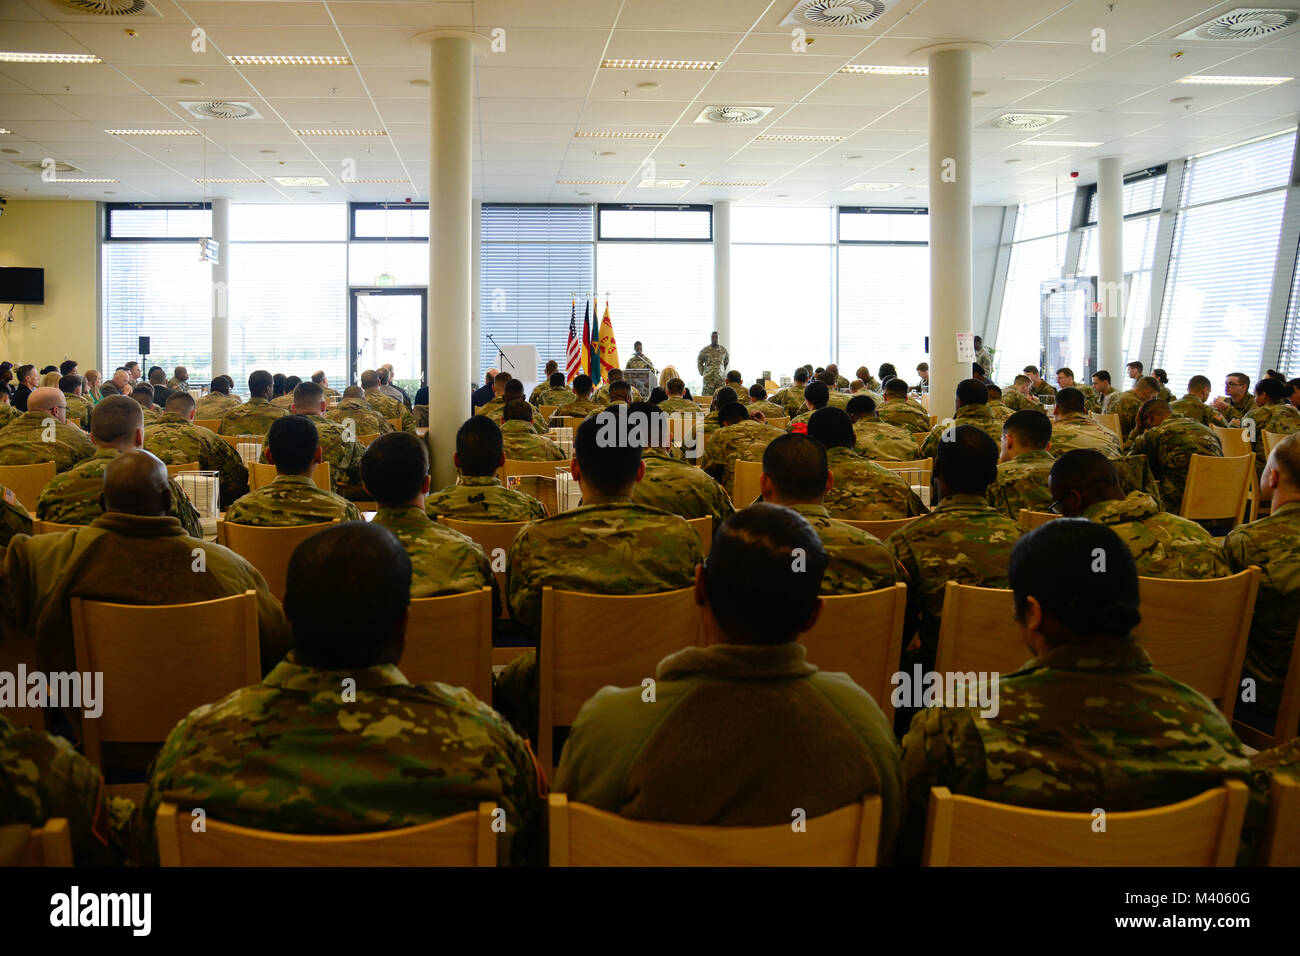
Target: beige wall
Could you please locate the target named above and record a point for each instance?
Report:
(60, 238)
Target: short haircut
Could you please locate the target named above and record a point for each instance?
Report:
(354, 391)
(895, 386)
(1148, 383)
(556, 380)
(394, 466)
(69, 381)
(817, 394)
(923, 366)
(142, 390)
(516, 411)
(725, 396)
(797, 466)
(479, 446)
(551, 366)
(67, 366)
(293, 381)
(735, 377)
(1275, 390)
(1286, 455)
(829, 379)
(180, 402)
(1198, 382)
(501, 378)
(861, 405)
(832, 427)
(971, 392)
(1030, 426)
(620, 388)
(277, 383)
(801, 375)
(1021, 380)
(1070, 400)
(383, 375)
(1101, 376)
(655, 422)
(582, 384)
(887, 370)
(115, 418)
(731, 413)
(607, 467)
(259, 382)
(292, 441)
(657, 395)
(1030, 370)
(369, 379)
(157, 376)
(675, 386)
(1085, 469)
(1056, 565)
(513, 387)
(1135, 364)
(344, 626)
(755, 592)
(308, 394)
(615, 375)
(967, 461)
(758, 392)
(1245, 379)
(23, 371)
(995, 390)
(223, 384)
(1066, 371)
(318, 377)
(976, 369)
(1160, 375)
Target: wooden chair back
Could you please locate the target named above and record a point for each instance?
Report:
(1109, 422)
(449, 639)
(862, 636)
(545, 469)
(161, 662)
(1270, 441)
(48, 845)
(978, 631)
(365, 440)
(882, 529)
(1287, 722)
(52, 527)
(267, 549)
(777, 422)
(495, 538)
(1218, 488)
(1280, 841)
(571, 422)
(182, 466)
(1233, 441)
(920, 470)
(260, 473)
(547, 411)
(704, 528)
(746, 483)
(211, 424)
(27, 481)
(395, 422)
(1029, 520)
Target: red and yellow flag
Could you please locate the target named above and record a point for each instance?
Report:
(608, 347)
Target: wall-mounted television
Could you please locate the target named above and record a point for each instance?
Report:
(21, 286)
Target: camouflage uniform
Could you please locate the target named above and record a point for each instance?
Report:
(215, 405)
(176, 440)
(712, 364)
(1043, 390)
(1189, 406)
(283, 401)
(769, 409)
(343, 456)
(290, 755)
(498, 414)
(1077, 728)
(1077, 430)
(680, 405)
(1126, 407)
(602, 394)
(150, 413)
(1163, 545)
(290, 500)
(78, 411)
(73, 497)
(14, 518)
(856, 560)
(579, 408)
(984, 359)
(1108, 403)
(1169, 448)
(791, 399)
(1284, 759)
(364, 418)
(743, 441)
(678, 487)
(391, 408)
(977, 415)
(1000, 410)
(1022, 483)
(253, 417)
(43, 777)
(1017, 401)
(7, 413)
(1281, 418)
(483, 499)
(421, 415)
(443, 561)
(22, 442)
(543, 395)
(881, 441)
(865, 491)
(1091, 400)
(904, 414)
(522, 443)
(1238, 410)
(1272, 543)
(638, 361)
(962, 540)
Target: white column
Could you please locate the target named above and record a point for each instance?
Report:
(1110, 274)
(950, 221)
(451, 243)
(476, 296)
(221, 290)
(722, 277)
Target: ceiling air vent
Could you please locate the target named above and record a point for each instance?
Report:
(110, 8)
(835, 13)
(220, 109)
(732, 115)
(1024, 121)
(59, 167)
(1244, 23)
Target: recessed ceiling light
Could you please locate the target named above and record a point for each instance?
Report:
(188, 81)
(978, 93)
(420, 82)
(229, 180)
(589, 182)
(732, 184)
(49, 58)
(83, 180)
(340, 132)
(663, 183)
(1237, 80)
(624, 64)
(1061, 143)
(151, 132)
(314, 192)
(880, 70)
(246, 59)
(797, 138)
(615, 134)
(5, 132)
(300, 181)
(871, 187)
(110, 192)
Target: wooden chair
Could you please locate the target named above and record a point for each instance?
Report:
(1218, 488)
(495, 538)
(704, 528)
(544, 469)
(234, 441)
(49, 845)
(160, 662)
(920, 437)
(1280, 841)
(365, 440)
(260, 474)
(27, 481)
(571, 422)
(679, 426)
(1195, 631)
(703, 400)
(182, 466)
(51, 527)
(978, 631)
(925, 467)
(1029, 520)
(586, 644)
(466, 839)
(1202, 831)
(881, 529)
(1233, 441)
(211, 424)
(1287, 722)
(547, 411)
(861, 635)
(782, 423)
(267, 549)
(746, 483)
(449, 639)
(395, 422)
(581, 835)
(1270, 441)
(1109, 422)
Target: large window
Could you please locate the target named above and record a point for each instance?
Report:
(1037, 255)
(1289, 363)
(162, 290)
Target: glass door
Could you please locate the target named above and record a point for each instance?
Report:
(390, 327)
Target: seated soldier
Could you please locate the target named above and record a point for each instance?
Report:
(616, 375)
(143, 393)
(499, 383)
(1021, 397)
(520, 438)
(863, 490)
(365, 419)
(796, 475)
(1024, 465)
(292, 498)
(386, 405)
(677, 400)
(338, 445)
(817, 395)
(1088, 721)
(1128, 403)
(972, 409)
(877, 440)
(514, 392)
(41, 434)
(394, 755)
(719, 747)
(1065, 379)
(1085, 484)
(1272, 413)
(791, 397)
(620, 393)
(1194, 405)
(759, 405)
(738, 438)
(674, 484)
(999, 408)
(73, 388)
(175, 439)
(255, 416)
(219, 399)
(582, 404)
(1072, 427)
(1168, 442)
(478, 494)
(552, 392)
(900, 410)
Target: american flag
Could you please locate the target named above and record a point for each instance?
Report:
(573, 354)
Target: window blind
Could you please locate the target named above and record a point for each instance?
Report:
(162, 290)
(1289, 362)
(884, 307)
(780, 308)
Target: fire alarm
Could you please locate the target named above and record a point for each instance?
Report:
(408, 199)
(1074, 175)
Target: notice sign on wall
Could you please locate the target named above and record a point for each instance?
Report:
(965, 346)
(390, 345)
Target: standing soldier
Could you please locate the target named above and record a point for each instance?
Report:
(639, 360)
(712, 363)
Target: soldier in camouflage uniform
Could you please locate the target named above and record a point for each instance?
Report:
(23, 440)
(514, 393)
(1084, 484)
(478, 494)
(866, 378)
(552, 367)
(255, 416)
(758, 403)
(365, 420)
(1091, 400)
(1072, 428)
(898, 409)
(791, 398)
(638, 359)
(387, 406)
(1127, 405)
(862, 490)
(673, 484)
(143, 393)
(972, 409)
(1239, 400)
(983, 356)
(1272, 413)
(1039, 388)
(394, 755)
(815, 396)
(175, 439)
(219, 400)
(522, 443)
(14, 518)
(339, 448)
(1024, 465)
(554, 392)
(1193, 404)
(292, 498)
(1020, 398)
(582, 405)
(1168, 442)
(72, 387)
(1088, 722)
(877, 440)
(74, 496)
(615, 375)
(738, 438)
(963, 539)
(677, 400)
(7, 412)
(998, 407)
(1273, 544)
(1106, 393)
(711, 363)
